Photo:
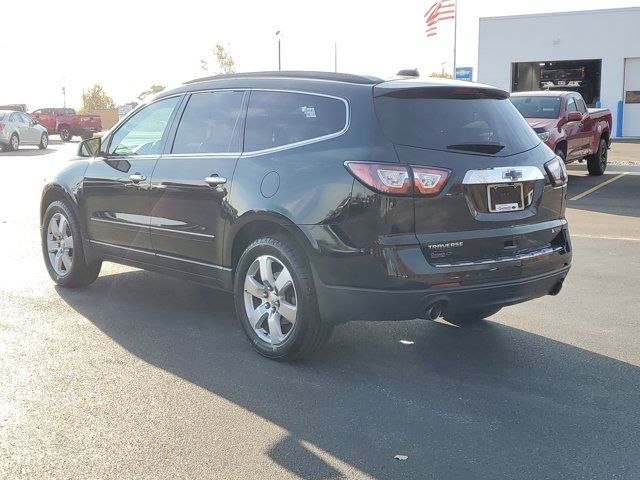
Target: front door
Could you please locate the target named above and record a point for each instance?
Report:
(572, 130)
(192, 181)
(631, 110)
(115, 189)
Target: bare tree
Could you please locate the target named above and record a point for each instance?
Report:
(152, 90)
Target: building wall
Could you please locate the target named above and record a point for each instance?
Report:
(109, 117)
(611, 35)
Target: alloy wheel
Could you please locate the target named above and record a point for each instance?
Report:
(15, 143)
(45, 140)
(603, 155)
(60, 244)
(270, 299)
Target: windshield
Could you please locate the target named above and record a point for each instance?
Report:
(537, 106)
(443, 119)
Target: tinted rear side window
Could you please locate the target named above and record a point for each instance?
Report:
(537, 106)
(210, 123)
(2, 116)
(443, 119)
(275, 119)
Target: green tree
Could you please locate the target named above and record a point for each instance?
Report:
(225, 63)
(152, 90)
(95, 99)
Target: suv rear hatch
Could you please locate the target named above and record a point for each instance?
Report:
(497, 204)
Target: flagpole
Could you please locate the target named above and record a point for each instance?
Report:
(455, 35)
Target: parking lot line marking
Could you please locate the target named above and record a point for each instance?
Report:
(600, 185)
(604, 237)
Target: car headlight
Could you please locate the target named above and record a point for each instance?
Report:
(544, 136)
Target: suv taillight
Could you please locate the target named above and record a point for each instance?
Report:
(393, 179)
(557, 172)
(1, 126)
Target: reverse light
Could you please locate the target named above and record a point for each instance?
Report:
(429, 181)
(544, 136)
(557, 172)
(397, 179)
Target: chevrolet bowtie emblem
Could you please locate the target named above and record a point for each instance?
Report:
(512, 174)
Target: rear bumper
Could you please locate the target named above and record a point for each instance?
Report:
(342, 304)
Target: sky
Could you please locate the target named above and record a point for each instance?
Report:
(126, 46)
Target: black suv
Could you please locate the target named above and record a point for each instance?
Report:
(319, 198)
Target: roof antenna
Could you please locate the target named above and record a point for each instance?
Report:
(408, 73)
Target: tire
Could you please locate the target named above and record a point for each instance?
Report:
(597, 163)
(14, 143)
(559, 152)
(44, 141)
(65, 134)
(73, 272)
(465, 316)
(257, 298)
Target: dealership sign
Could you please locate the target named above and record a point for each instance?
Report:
(464, 73)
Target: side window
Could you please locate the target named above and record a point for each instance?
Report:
(581, 106)
(26, 119)
(15, 118)
(210, 123)
(275, 119)
(142, 133)
(571, 105)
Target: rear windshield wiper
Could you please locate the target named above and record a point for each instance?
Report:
(489, 148)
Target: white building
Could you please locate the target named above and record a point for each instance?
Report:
(599, 50)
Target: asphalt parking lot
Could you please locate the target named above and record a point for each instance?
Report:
(144, 376)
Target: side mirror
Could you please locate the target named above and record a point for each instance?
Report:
(574, 117)
(90, 147)
(35, 121)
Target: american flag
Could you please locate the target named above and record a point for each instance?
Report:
(442, 10)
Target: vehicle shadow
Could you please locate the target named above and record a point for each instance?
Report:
(484, 401)
(26, 152)
(617, 198)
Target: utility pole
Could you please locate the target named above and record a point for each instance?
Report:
(455, 34)
(279, 54)
(64, 97)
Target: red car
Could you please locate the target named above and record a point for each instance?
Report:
(563, 121)
(66, 123)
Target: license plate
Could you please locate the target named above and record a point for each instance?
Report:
(505, 197)
(562, 82)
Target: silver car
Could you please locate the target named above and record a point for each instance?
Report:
(17, 128)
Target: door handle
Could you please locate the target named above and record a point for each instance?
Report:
(215, 180)
(137, 178)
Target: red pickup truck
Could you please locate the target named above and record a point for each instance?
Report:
(66, 123)
(563, 121)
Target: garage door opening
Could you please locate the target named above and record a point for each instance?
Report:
(581, 76)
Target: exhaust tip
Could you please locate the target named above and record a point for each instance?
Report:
(434, 311)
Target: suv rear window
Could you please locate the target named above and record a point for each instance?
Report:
(275, 119)
(454, 119)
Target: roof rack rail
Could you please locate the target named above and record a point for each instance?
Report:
(310, 75)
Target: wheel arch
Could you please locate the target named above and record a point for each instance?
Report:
(562, 145)
(252, 226)
(53, 192)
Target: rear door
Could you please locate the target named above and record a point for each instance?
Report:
(192, 181)
(116, 188)
(496, 201)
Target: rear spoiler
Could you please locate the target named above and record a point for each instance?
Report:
(456, 89)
